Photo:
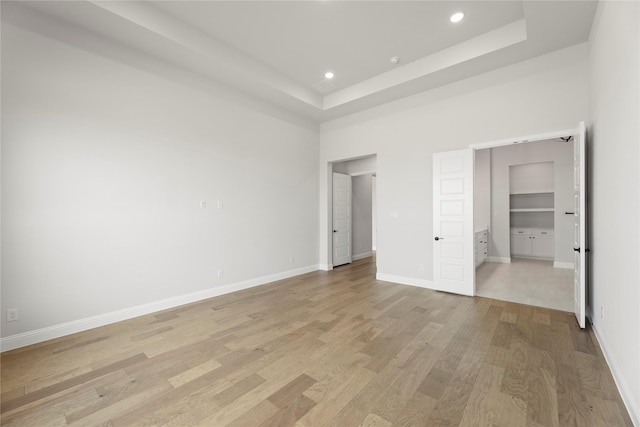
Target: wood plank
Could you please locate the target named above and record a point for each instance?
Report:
(289, 414)
(64, 385)
(290, 392)
(373, 420)
(256, 415)
(333, 400)
(542, 404)
(481, 409)
(416, 411)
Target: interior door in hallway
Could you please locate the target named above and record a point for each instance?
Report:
(453, 239)
(341, 219)
(579, 225)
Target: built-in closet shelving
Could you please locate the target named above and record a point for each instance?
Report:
(532, 210)
(530, 201)
(532, 220)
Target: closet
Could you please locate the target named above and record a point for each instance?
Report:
(521, 194)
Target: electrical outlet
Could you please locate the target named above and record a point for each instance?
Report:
(421, 267)
(292, 260)
(220, 204)
(602, 312)
(12, 314)
(203, 203)
(220, 274)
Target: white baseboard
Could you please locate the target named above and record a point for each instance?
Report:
(558, 264)
(633, 406)
(411, 281)
(57, 331)
(362, 256)
(502, 260)
(325, 267)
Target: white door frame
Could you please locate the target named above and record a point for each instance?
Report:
(329, 195)
(525, 139)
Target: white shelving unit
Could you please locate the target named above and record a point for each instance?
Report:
(532, 209)
(531, 201)
(532, 220)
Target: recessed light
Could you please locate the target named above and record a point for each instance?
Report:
(328, 75)
(456, 17)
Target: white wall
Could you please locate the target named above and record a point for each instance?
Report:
(361, 190)
(561, 154)
(524, 99)
(482, 189)
(103, 168)
(614, 139)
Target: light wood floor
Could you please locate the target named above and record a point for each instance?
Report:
(324, 349)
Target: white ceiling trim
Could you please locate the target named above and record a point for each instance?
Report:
(218, 58)
(211, 53)
(484, 44)
(149, 29)
(175, 40)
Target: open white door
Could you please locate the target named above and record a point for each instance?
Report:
(453, 264)
(579, 225)
(341, 219)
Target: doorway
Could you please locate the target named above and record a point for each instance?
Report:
(451, 195)
(524, 223)
(360, 210)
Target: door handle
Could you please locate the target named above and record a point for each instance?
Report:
(569, 213)
(576, 249)
(335, 231)
(438, 238)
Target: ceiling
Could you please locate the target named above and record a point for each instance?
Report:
(278, 51)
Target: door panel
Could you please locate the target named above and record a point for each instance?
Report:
(520, 245)
(455, 229)
(451, 186)
(452, 272)
(543, 246)
(341, 219)
(579, 217)
(453, 262)
(448, 250)
(452, 207)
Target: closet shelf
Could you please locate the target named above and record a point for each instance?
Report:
(531, 192)
(532, 210)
